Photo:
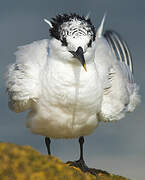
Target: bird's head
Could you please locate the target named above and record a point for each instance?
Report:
(72, 38)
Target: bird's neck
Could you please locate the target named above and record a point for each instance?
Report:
(62, 66)
(71, 73)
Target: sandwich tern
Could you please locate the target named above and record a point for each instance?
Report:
(73, 81)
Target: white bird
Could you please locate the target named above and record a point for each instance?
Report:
(66, 99)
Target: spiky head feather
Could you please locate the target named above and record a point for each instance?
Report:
(63, 25)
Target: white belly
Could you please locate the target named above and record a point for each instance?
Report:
(68, 106)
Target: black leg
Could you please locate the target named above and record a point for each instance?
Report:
(47, 142)
(81, 163)
(81, 141)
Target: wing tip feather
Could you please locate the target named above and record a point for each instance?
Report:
(119, 47)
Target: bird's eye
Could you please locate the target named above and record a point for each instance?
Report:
(90, 43)
(64, 42)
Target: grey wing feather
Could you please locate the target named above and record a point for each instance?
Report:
(119, 48)
(121, 92)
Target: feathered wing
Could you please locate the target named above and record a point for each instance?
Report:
(22, 78)
(114, 62)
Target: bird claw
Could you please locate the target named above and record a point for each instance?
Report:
(83, 167)
(79, 164)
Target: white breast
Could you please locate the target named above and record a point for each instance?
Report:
(69, 101)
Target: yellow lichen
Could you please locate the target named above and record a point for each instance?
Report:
(24, 163)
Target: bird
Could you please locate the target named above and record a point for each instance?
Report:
(72, 81)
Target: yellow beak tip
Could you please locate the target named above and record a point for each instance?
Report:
(85, 67)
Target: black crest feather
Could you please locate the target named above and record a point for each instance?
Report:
(60, 19)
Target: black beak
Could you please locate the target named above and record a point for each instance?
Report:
(79, 54)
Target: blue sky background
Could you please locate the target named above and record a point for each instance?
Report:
(116, 147)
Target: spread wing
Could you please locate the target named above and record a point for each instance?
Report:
(120, 90)
(22, 77)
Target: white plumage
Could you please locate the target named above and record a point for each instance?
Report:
(120, 91)
(64, 100)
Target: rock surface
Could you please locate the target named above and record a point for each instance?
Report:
(24, 163)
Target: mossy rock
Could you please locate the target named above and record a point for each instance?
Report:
(24, 163)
